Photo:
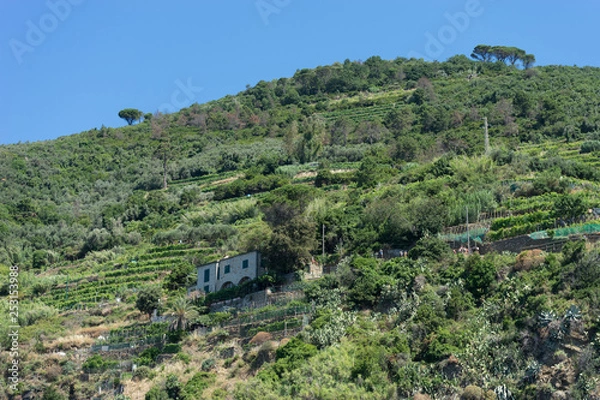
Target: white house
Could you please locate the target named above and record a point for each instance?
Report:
(228, 272)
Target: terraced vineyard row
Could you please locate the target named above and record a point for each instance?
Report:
(360, 114)
(204, 180)
(109, 282)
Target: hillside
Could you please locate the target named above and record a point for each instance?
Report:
(336, 166)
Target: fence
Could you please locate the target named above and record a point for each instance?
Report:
(475, 235)
(287, 320)
(562, 233)
(149, 341)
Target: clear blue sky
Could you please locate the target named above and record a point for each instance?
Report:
(70, 65)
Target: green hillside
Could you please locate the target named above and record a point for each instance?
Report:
(333, 165)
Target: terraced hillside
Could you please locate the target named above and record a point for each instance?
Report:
(329, 168)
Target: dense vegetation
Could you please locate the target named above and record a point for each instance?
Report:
(105, 226)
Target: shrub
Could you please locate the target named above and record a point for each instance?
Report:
(440, 345)
(173, 386)
(473, 392)
(587, 271)
(208, 364)
(431, 248)
(589, 146)
(171, 348)
(195, 386)
(293, 354)
(156, 393)
(51, 394)
(479, 275)
(366, 288)
(529, 259)
(96, 363)
(573, 251)
(148, 356)
(183, 357)
(36, 312)
(143, 372)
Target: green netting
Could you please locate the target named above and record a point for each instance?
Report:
(561, 233)
(475, 235)
(539, 235)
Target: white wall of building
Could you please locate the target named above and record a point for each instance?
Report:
(228, 272)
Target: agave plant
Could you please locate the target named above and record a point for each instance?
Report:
(532, 371)
(573, 314)
(546, 317)
(503, 393)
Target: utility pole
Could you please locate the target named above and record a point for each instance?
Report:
(323, 241)
(468, 237)
(486, 137)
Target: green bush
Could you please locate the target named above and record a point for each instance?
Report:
(96, 363)
(589, 146)
(255, 184)
(431, 248)
(195, 386)
(148, 356)
(290, 356)
(183, 357)
(171, 348)
(441, 345)
(143, 372)
(156, 393)
(366, 288)
(479, 275)
(173, 386)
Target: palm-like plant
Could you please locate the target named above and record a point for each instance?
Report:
(183, 311)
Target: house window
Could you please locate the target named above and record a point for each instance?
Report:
(206, 275)
(218, 273)
(206, 289)
(227, 269)
(245, 264)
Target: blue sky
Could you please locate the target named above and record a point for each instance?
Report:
(70, 65)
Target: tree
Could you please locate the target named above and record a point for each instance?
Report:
(148, 300)
(515, 54)
(160, 125)
(503, 53)
(183, 311)
(311, 139)
(528, 60)
(180, 277)
(340, 130)
(479, 275)
(370, 172)
(289, 246)
(569, 206)
(130, 115)
(430, 247)
(481, 52)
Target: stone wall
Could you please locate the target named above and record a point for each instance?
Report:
(524, 242)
